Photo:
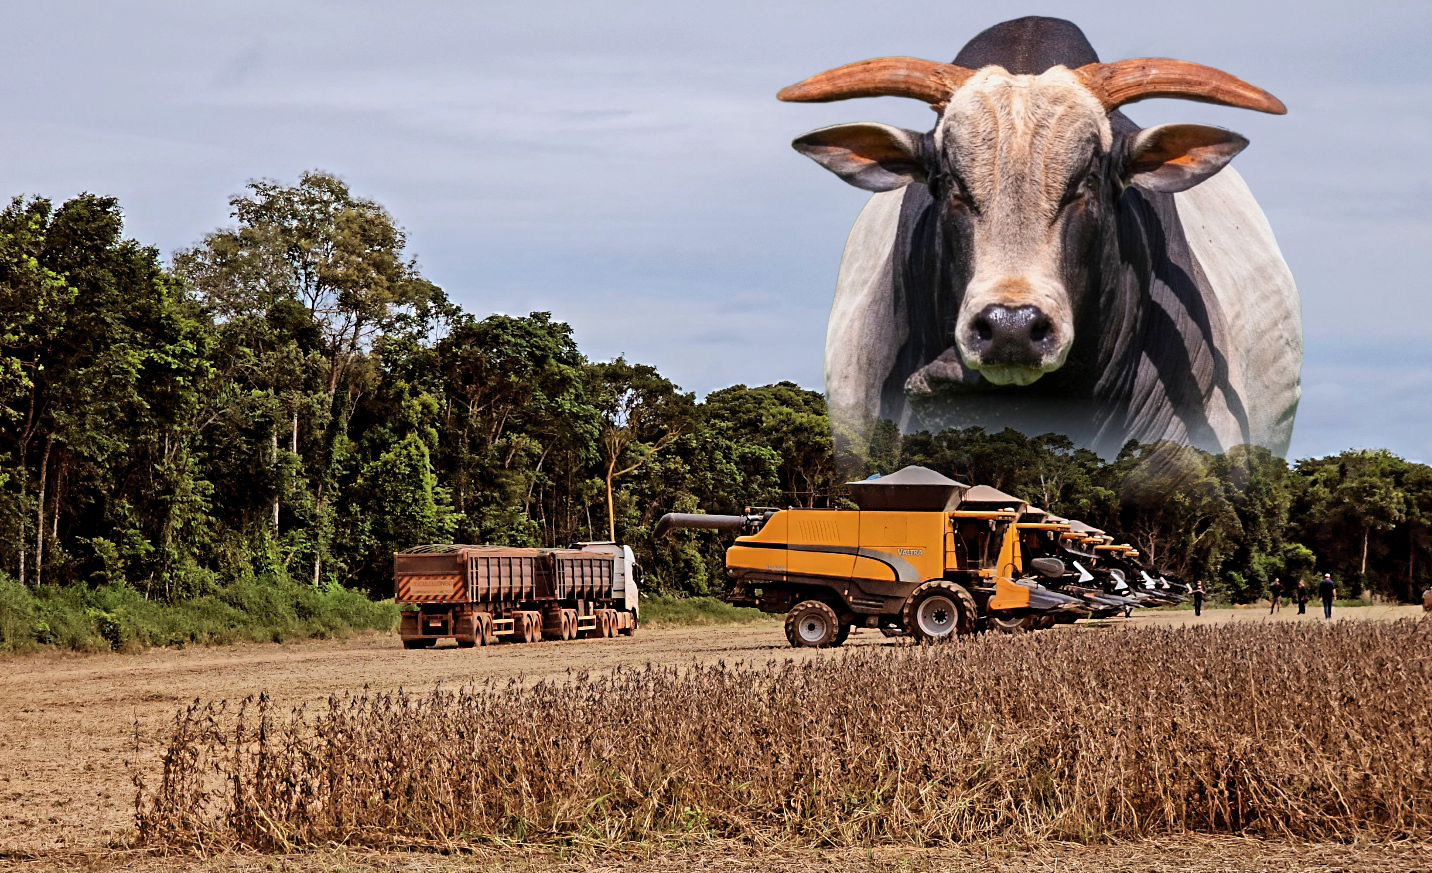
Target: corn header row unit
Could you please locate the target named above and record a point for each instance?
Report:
(929, 557)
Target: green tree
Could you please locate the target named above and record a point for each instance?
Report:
(316, 275)
(642, 414)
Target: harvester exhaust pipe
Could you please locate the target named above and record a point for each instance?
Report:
(674, 520)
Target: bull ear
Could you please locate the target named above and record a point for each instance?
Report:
(876, 157)
(1175, 157)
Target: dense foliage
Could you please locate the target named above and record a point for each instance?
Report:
(291, 399)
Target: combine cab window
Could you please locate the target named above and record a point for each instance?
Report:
(977, 542)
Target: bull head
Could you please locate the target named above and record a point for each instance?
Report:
(1025, 172)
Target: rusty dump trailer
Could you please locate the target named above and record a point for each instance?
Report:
(478, 595)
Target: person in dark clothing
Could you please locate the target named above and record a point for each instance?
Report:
(1198, 594)
(1276, 590)
(1302, 597)
(1327, 591)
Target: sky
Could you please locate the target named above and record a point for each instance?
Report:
(627, 167)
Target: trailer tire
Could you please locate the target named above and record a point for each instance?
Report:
(523, 630)
(486, 636)
(467, 631)
(609, 623)
(812, 625)
(569, 624)
(940, 610)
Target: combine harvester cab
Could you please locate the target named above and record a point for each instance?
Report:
(923, 555)
(477, 595)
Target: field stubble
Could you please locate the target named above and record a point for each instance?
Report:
(1284, 730)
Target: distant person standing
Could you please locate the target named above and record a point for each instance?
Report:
(1276, 590)
(1198, 594)
(1327, 591)
(1302, 596)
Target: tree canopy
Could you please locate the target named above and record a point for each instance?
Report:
(291, 397)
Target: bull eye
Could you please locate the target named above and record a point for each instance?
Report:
(1086, 187)
(947, 188)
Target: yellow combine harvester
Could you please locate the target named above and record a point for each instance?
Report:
(923, 555)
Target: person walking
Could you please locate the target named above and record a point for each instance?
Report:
(1198, 594)
(1276, 590)
(1327, 591)
(1302, 596)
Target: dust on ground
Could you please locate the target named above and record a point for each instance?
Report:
(1183, 854)
(72, 726)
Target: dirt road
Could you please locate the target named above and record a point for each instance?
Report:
(69, 723)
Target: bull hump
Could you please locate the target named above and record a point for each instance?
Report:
(1029, 46)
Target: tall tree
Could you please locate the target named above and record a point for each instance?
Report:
(642, 414)
(318, 274)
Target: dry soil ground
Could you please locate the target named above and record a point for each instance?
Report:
(72, 727)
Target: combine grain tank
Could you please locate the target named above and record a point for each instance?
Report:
(477, 595)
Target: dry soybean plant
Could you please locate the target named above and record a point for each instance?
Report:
(1304, 730)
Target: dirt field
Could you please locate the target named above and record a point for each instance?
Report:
(69, 725)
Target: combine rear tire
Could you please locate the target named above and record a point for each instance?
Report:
(812, 625)
(1013, 625)
(939, 610)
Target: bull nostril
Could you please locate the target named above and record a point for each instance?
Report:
(1039, 331)
(1011, 335)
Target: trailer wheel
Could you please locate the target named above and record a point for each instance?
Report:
(811, 625)
(466, 630)
(569, 624)
(940, 610)
(608, 620)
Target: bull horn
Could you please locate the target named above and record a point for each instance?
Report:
(881, 77)
(1144, 78)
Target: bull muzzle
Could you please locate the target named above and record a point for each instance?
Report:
(1013, 332)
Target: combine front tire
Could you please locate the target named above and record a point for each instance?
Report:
(939, 610)
(812, 625)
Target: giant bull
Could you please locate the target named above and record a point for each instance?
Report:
(1039, 261)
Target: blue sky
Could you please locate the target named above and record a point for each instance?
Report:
(627, 167)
